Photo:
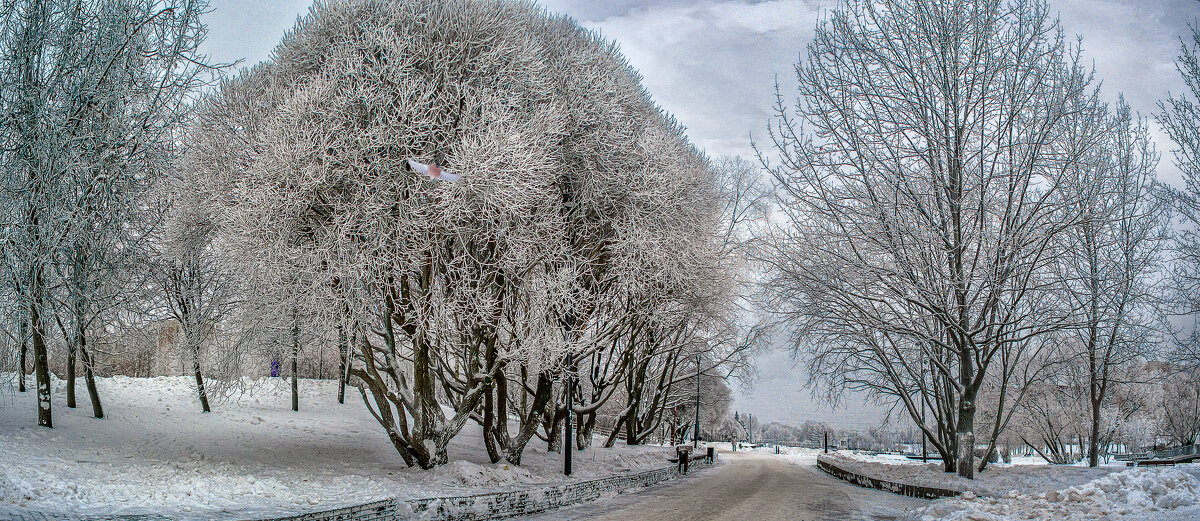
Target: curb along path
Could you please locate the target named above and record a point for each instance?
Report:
(903, 489)
(490, 505)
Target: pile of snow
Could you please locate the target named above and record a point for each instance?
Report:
(251, 457)
(469, 474)
(1144, 494)
(995, 481)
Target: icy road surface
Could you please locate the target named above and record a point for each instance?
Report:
(750, 486)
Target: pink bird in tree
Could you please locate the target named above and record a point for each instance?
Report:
(434, 171)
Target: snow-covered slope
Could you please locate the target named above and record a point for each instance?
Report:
(251, 456)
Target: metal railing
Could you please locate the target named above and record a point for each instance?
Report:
(1186, 450)
(1166, 454)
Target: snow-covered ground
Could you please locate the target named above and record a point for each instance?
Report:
(796, 455)
(997, 480)
(252, 456)
(1039, 491)
(1163, 494)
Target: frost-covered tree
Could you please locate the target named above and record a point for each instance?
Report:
(1181, 407)
(466, 301)
(192, 285)
(90, 94)
(920, 187)
(1108, 261)
(1180, 117)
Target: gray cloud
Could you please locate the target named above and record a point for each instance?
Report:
(248, 30)
(711, 64)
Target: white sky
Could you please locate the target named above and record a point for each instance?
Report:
(713, 65)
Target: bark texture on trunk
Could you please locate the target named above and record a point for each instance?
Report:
(71, 355)
(40, 368)
(199, 380)
(343, 351)
(24, 365)
(295, 355)
(89, 375)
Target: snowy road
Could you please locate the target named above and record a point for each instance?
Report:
(748, 487)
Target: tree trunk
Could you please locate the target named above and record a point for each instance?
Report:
(89, 363)
(1094, 440)
(631, 428)
(343, 352)
(295, 355)
(40, 369)
(966, 435)
(542, 398)
(24, 347)
(587, 424)
(72, 349)
(200, 380)
(489, 424)
(616, 432)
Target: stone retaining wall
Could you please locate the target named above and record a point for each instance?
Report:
(492, 505)
(903, 489)
(495, 505)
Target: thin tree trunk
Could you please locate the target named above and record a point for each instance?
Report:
(616, 432)
(489, 425)
(295, 355)
(24, 347)
(72, 349)
(1094, 441)
(199, 379)
(343, 351)
(88, 365)
(89, 375)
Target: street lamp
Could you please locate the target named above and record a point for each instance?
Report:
(567, 435)
(696, 431)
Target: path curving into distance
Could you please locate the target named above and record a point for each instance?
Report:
(750, 486)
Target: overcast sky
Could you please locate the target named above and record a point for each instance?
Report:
(713, 65)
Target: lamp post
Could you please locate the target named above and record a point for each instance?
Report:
(696, 431)
(924, 451)
(567, 434)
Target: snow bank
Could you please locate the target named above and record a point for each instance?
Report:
(251, 457)
(470, 474)
(995, 481)
(1158, 494)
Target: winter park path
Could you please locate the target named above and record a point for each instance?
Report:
(750, 486)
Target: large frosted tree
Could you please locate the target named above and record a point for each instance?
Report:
(468, 301)
(920, 187)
